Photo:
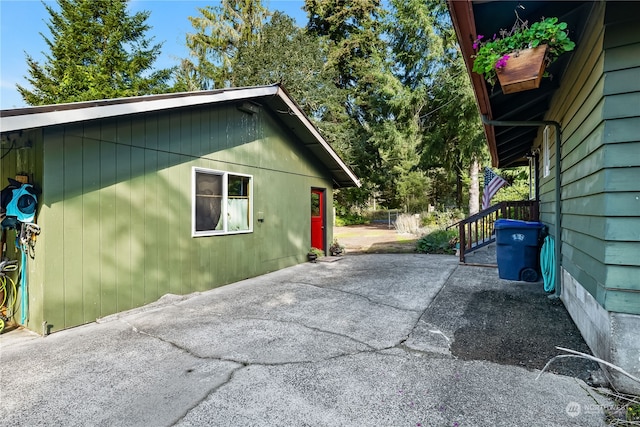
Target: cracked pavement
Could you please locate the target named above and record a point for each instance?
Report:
(354, 342)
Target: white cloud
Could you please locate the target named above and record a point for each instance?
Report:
(7, 84)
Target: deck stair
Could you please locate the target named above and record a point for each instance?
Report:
(476, 231)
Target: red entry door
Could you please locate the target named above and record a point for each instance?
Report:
(317, 219)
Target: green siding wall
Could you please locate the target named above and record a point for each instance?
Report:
(599, 109)
(116, 216)
(24, 161)
(622, 157)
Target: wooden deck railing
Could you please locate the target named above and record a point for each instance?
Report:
(476, 231)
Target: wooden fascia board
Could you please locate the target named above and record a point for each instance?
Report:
(461, 12)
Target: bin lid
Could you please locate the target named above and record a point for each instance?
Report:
(516, 223)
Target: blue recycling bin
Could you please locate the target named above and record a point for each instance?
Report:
(517, 249)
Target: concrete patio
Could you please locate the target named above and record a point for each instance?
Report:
(370, 340)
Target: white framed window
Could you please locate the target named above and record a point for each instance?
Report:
(222, 203)
(546, 157)
(532, 180)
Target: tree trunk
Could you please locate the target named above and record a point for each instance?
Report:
(459, 184)
(474, 188)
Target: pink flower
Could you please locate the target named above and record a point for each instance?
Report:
(502, 62)
(476, 43)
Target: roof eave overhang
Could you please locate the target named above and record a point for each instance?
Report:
(339, 169)
(473, 17)
(51, 115)
(461, 12)
(44, 116)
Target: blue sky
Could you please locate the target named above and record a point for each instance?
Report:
(22, 21)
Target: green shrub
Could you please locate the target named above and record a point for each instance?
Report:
(438, 242)
(633, 412)
(441, 218)
(350, 219)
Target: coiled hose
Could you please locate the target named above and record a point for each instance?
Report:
(548, 264)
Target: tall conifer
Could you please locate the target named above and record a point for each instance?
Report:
(97, 50)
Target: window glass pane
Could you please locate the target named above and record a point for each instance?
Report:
(315, 204)
(238, 186)
(208, 201)
(238, 203)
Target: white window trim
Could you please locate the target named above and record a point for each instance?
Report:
(225, 195)
(546, 157)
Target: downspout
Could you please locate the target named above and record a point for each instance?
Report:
(558, 165)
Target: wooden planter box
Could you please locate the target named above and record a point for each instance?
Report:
(524, 71)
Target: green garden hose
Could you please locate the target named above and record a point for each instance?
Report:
(548, 264)
(24, 298)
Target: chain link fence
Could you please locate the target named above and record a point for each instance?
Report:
(387, 217)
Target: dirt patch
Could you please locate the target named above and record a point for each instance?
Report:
(510, 323)
(374, 238)
(520, 328)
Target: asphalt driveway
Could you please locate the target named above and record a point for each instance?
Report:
(370, 340)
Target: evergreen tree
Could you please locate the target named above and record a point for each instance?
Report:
(290, 55)
(287, 54)
(97, 51)
(387, 88)
(353, 29)
(429, 64)
(187, 77)
(357, 62)
(219, 32)
(416, 41)
(453, 138)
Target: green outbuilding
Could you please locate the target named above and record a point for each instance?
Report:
(164, 194)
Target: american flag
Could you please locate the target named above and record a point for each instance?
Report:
(492, 183)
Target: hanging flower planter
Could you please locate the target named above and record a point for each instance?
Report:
(518, 58)
(522, 70)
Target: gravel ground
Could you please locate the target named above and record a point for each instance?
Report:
(374, 238)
